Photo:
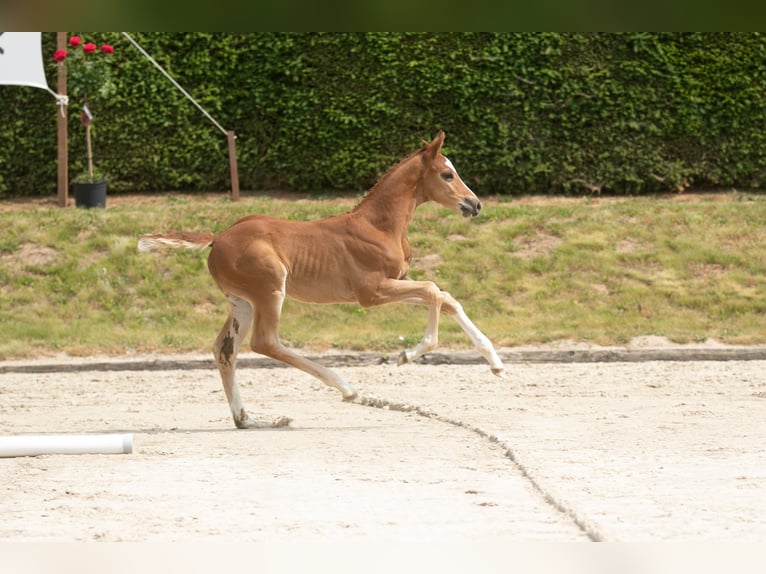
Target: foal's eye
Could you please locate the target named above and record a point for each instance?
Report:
(447, 176)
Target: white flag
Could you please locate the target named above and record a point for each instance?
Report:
(21, 59)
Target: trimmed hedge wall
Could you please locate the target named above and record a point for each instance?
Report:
(574, 113)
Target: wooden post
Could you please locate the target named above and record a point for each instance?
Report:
(233, 165)
(89, 151)
(62, 158)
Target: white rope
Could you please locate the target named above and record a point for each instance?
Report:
(61, 101)
(176, 84)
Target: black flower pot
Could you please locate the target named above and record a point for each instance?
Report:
(92, 194)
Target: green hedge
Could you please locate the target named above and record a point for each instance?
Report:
(524, 113)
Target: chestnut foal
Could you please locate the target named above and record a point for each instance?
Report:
(361, 256)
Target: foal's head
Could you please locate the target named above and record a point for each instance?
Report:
(442, 184)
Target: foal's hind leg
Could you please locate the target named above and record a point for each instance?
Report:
(225, 350)
(266, 341)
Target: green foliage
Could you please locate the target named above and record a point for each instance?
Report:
(571, 113)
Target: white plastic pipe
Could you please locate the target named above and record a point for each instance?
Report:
(35, 445)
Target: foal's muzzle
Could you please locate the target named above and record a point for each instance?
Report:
(470, 207)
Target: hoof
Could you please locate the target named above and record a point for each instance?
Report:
(403, 359)
(351, 398)
(250, 423)
(499, 372)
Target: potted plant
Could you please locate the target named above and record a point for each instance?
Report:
(89, 79)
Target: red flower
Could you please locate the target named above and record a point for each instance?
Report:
(75, 41)
(107, 49)
(59, 55)
(89, 48)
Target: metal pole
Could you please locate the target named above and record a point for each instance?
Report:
(233, 165)
(61, 123)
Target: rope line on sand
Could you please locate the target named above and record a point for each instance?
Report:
(585, 527)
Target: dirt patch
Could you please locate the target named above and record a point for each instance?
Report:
(541, 243)
(707, 270)
(428, 263)
(30, 255)
(628, 246)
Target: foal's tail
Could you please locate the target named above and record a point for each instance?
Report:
(175, 240)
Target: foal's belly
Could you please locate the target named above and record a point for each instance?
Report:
(319, 293)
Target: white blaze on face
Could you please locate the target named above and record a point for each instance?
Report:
(449, 164)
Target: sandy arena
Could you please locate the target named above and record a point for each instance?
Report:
(619, 450)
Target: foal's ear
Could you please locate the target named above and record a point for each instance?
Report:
(432, 148)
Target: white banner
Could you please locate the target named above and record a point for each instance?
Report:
(21, 59)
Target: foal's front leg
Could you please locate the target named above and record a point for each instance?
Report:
(427, 293)
(430, 338)
(479, 339)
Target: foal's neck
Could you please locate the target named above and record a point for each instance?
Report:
(390, 204)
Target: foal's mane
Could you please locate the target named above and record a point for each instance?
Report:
(386, 176)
